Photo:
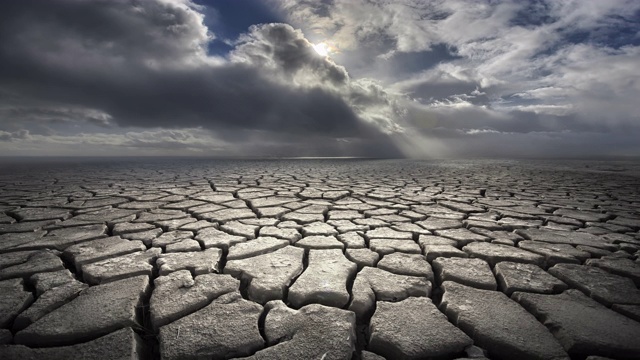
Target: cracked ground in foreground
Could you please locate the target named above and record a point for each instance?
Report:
(318, 259)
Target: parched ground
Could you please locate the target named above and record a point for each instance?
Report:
(319, 259)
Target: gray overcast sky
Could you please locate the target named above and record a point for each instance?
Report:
(416, 78)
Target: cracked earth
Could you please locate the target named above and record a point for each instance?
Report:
(341, 259)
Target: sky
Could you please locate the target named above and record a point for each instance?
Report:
(287, 78)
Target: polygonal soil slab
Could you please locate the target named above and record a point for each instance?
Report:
(630, 311)
(362, 257)
(121, 344)
(184, 245)
(240, 229)
(555, 253)
(289, 234)
(303, 218)
(48, 280)
(313, 332)
(178, 294)
(174, 224)
(37, 262)
(388, 233)
(433, 252)
(226, 328)
(460, 206)
(14, 241)
(435, 223)
(212, 237)
(120, 267)
(583, 326)
(414, 329)
(127, 228)
(100, 249)
(13, 299)
(470, 272)
(60, 239)
(318, 228)
(171, 237)
(23, 227)
(527, 278)
(198, 262)
(600, 285)
(324, 281)
(388, 246)
(461, 236)
(406, 264)
(261, 245)
(319, 242)
(567, 237)
(623, 267)
(15, 257)
(37, 214)
(268, 275)
(494, 253)
(97, 311)
(145, 236)
(374, 284)
(229, 215)
(498, 324)
(47, 302)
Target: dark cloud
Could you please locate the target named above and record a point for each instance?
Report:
(117, 30)
(144, 64)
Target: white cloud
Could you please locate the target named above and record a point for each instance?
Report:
(481, 131)
(526, 57)
(558, 110)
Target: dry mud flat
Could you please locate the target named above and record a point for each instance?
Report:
(363, 259)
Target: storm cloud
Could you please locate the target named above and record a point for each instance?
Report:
(144, 64)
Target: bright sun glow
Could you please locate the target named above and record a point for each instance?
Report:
(322, 49)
